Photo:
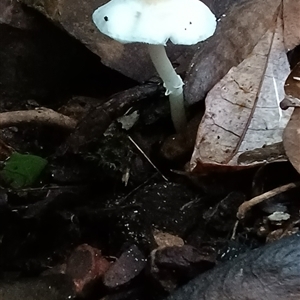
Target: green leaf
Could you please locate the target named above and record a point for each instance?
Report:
(22, 170)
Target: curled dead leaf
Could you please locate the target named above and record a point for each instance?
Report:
(291, 135)
(291, 13)
(242, 110)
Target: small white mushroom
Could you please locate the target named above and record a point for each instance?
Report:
(154, 22)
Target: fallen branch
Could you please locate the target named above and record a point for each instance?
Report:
(44, 116)
(246, 206)
(99, 118)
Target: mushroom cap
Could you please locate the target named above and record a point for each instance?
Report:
(184, 22)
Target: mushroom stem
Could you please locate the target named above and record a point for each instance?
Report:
(172, 82)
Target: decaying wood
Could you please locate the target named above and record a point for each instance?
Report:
(97, 121)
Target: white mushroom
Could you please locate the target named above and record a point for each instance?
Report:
(154, 22)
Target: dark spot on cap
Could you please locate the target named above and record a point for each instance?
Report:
(190, 23)
(106, 18)
(184, 28)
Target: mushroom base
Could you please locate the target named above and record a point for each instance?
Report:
(172, 82)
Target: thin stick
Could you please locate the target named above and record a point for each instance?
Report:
(148, 159)
(234, 230)
(43, 116)
(244, 207)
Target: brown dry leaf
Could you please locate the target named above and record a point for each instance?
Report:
(270, 153)
(238, 31)
(291, 18)
(291, 135)
(291, 140)
(292, 89)
(242, 110)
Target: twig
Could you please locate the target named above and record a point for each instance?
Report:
(43, 188)
(236, 224)
(137, 188)
(43, 116)
(244, 207)
(148, 159)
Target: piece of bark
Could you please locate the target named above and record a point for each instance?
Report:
(165, 239)
(169, 265)
(98, 120)
(86, 266)
(127, 267)
(237, 34)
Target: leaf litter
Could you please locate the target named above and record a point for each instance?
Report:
(291, 135)
(242, 110)
(236, 35)
(291, 13)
